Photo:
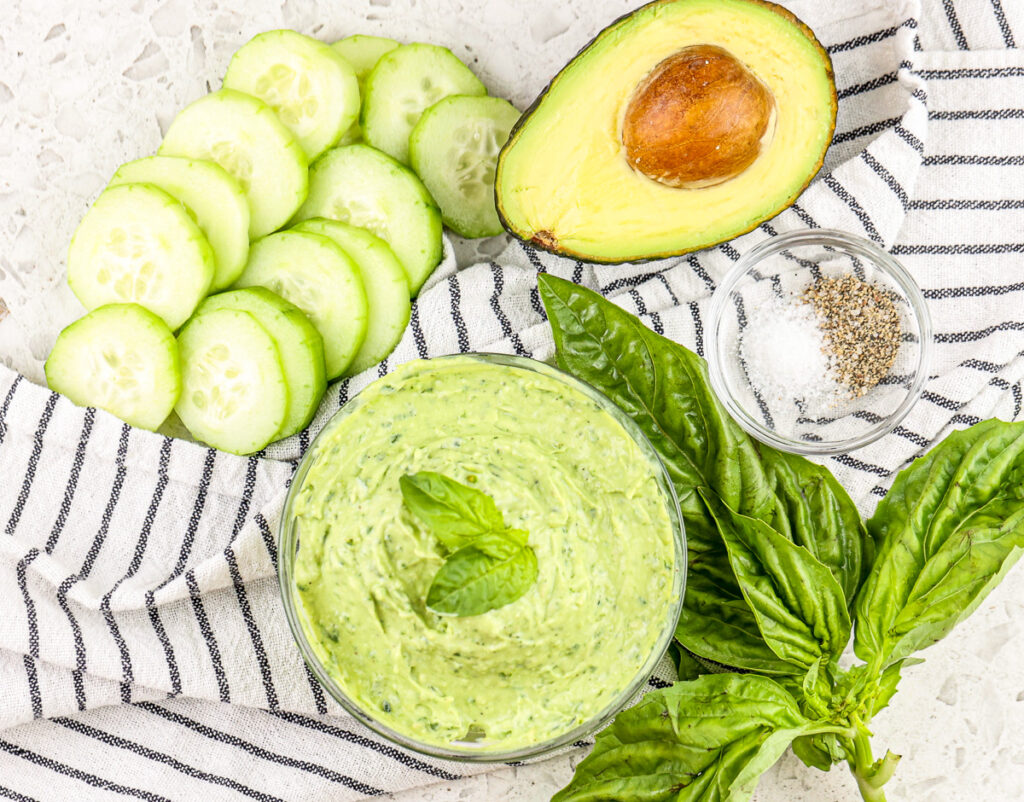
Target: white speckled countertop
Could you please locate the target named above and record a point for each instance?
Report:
(88, 84)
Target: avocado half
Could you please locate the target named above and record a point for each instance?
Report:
(681, 82)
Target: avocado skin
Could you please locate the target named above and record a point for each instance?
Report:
(550, 244)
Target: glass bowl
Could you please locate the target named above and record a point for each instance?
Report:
(289, 542)
(771, 364)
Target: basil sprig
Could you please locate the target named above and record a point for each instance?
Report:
(781, 570)
(489, 565)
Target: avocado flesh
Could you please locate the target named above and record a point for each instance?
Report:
(563, 181)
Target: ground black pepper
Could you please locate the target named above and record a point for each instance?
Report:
(862, 330)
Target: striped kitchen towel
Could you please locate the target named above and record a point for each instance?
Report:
(143, 647)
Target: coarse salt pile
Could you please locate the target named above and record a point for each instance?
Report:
(784, 352)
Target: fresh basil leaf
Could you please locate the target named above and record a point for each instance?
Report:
(717, 624)
(819, 751)
(704, 741)
(888, 682)
(948, 531)
(664, 388)
(799, 607)
(455, 513)
(494, 570)
(814, 511)
(520, 536)
(687, 666)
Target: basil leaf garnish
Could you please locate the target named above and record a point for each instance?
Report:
(489, 566)
(492, 571)
(708, 739)
(454, 513)
(664, 388)
(799, 606)
(948, 530)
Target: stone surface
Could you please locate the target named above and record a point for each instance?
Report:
(88, 84)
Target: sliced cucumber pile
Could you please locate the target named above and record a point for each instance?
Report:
(359, 185)
(385, 282)
(363, 53)
(137, 244)
(121, 358)
(317, 276)
(298, 342)
(215, 199)
(454, 149)
(311, 87)
(244, 136)
(328, 298)
(406, 82)
(234, 395)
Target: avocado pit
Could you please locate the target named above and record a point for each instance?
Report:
(699, 118)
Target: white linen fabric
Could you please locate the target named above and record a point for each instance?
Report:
(143, 646)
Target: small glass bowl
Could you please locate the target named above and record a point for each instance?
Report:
(288, 545)
(776, 273)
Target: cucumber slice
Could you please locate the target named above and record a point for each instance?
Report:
(363, 53)
(216, 201)
(121, 358)
(311, 87)
(137, 244)
(405, 83)
(317, 276)
(387, 288)
(298, 342)
(233, 391)
(364, 187)
(454, 150)
(244, 136)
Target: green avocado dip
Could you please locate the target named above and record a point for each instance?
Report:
(559, 466)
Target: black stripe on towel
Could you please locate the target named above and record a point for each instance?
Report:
(1004, 27)
(385, 749)
(417, 332)
(258, 751)
(499, 313)
(959, 249)
(972, 292)
(87, 564)
(9, 793)
(77, 774)
(318, 693)
(193, 522)
(147, 522)
(860, 41)
(72, 483)
(254, 632)
(954, 24)
(240, 592)
(890, 181)
(865, 130)
(268, 537)
(33, 463)
(867, 86)
(6, 405)
(208, 636)
(159, 757)
(963, 204)
(841, 192)
(977, 114)
(460, 324)
(963, 158)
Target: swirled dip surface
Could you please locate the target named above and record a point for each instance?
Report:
(557, 465)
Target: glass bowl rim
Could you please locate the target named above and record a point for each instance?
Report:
(286, 547)
(849, 243)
